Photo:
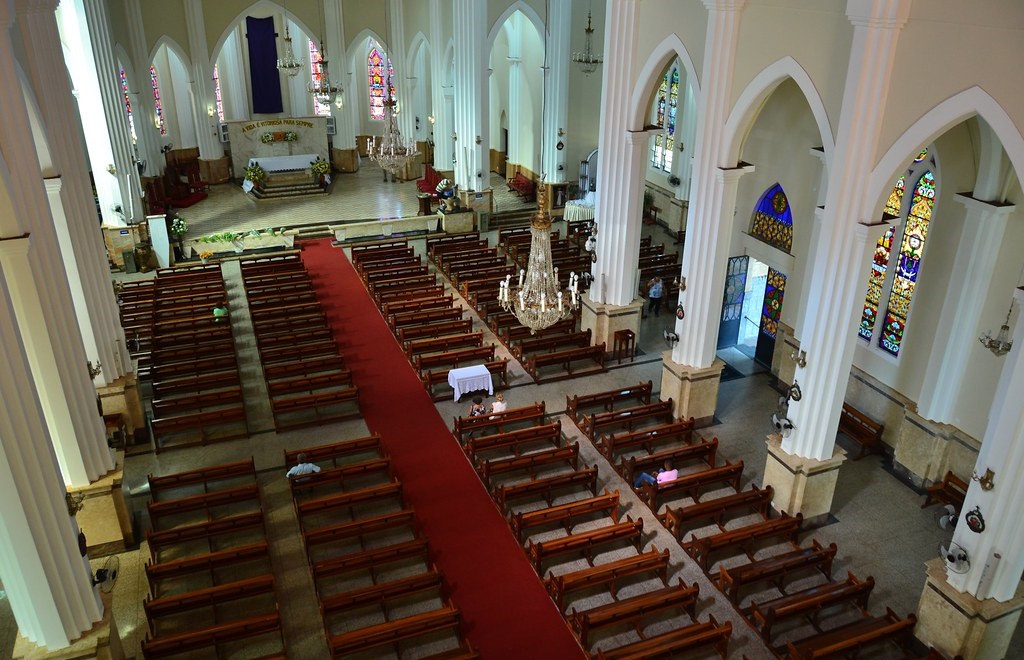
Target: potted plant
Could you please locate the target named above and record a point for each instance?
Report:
(205, 255)
(256, 174)
(321, 170)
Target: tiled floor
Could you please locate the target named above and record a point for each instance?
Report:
(878, 523)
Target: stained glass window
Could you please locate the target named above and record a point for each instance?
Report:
(127, 104)
(160, 123)
(664, 115)
(773, 220)
(908, 265)
(316, 69)
(735, 285)
(378, 71)
(892, 206)
(879, 265)
(771, 310)
(217, 96)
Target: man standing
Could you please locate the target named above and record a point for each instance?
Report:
(655, 291)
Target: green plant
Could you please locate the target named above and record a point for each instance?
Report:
(179, 227)
(291, 136)
(267, 138)
(320, 166)
(255, 173)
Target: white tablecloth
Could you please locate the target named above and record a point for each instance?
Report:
(282, 163)
(577, 211)
(470, 379)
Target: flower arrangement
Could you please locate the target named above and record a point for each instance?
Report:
(205, 254)
(179, 227)
(320, 167)
(267, 138)
(255, 173)
(290, 136)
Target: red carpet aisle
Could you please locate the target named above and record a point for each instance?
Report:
(506, 611)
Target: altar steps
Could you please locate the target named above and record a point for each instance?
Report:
(312, 232)
(284, 191)
(506, 219)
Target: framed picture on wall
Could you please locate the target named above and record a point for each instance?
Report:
(559, 194)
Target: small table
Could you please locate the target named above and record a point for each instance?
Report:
(425, 200)
(624, 341)
(470, 379)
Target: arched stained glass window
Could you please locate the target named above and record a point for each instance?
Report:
(127, 103)
(160, 123)
(378, 71)
(892, 207)
(316, 69)
(664, 115)
(876, 280)
(909, 264)
(773, 220)
(771, 309)
(217, 95)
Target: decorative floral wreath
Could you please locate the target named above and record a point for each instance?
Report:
(290, 136)
(267, 138)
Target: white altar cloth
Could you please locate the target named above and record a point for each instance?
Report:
(578, 211)
(470, 379)
(282, 163)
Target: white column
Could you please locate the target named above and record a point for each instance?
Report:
(90, 59)
(556, 91)
(234, 91)
(805, 307)
(70, 198)
(620, 167)
(1002, 451)
(148, 145)
(829, 335)
(47, 580)
(515, 89)
(471, 97)
(344, 124)
(443, 146)
(686, 133)
(404, 81)
(712, 193)
(201, 85)
(980, 238)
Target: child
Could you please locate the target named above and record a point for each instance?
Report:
(477, 408)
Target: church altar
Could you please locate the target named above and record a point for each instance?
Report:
(578, 210)
(284, 163)
(277, 144)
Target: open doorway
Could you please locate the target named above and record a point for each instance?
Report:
(751, 307)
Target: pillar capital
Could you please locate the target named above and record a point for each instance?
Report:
(725, 5)
(731, 175)
(987, 209)
(16, 246)
(884, 14)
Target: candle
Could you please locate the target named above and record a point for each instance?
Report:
(543, 302)
(522, 273)
(560, 301)
(522, 305)
(556, 275)
(501, 291)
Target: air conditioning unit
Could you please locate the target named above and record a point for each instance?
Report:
(332, 127)
(224, 136)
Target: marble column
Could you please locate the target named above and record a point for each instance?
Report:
(556, 91)
(471, 93)
(202, 95)
(442, 128)
(147, 148)
(829, 335)
(70, 198)
(515, 88)
(346, 156)
(47, 580)
(404, 80)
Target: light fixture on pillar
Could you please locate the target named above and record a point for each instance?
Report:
(1001, 343)
(800, 357)
(289, 63)
(392, 151)
(321, 87)
(538, 301)
(586, 58)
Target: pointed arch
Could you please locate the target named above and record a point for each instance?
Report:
(172, 46)
(418, 47)
(258, 7)
(772, 220)
(671, 47)
(760, 88)
(527, 11)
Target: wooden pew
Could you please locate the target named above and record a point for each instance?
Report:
(860, 428)
(529, 414)
(632, 610)
(608, 575)
(205, 400)
(682, 640)
(304, 367)
(335, 450)
(854, 636)
(162, 539)
(592, 425)
(529, 462)
(357, 529)
(951, 490)
(194, 383)
(392, 632)
(675, 432)
(295, 338)
(513, 332)
(200, 427)
(287, 353)
(514, 440)
(607, 400)
(682, 520)
(442, 344)
(310, 384)
(809, 602)
(454, 358)
(566, 514)
(336, 476)
(417, 305)
(691, 485)
(369, 559)
(411, 332)
(346, 501)
(222, 593)
(434, 377)
(160, 487)
(565, 359)
(705, 451)
(743, 538)
(586, 542)
(412, 319)
(528, 347)
(447, 239)
(380, 594)
(546, 487)
(323, 405)
(233, 497)
(775, 569)
(213, 636)
(233, 558)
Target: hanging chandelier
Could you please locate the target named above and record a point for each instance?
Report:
(321, 87)
(586, 58)
(1001, 343)
(538, 301)
(392, 151)
(289, 63)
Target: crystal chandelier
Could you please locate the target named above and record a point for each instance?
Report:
(1001, 343)
(320, 86)
(586, 58)
(538, 301)
(392, 151)
(289, 63)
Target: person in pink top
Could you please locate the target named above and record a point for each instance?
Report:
(663, 475)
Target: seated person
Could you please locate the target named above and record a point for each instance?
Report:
(499, 404)
(302, 467)
(664, 474)
(220, 312)
(477, 408)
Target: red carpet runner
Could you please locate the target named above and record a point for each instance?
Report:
(506, 612)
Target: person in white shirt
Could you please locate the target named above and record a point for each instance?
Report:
(302, 467)
(499, 404)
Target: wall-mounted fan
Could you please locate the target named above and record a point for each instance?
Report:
(947, 517)
(955, 557)
(671, 338)
(107, 575)
(780, 418)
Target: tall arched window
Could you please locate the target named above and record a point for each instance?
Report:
(899, 280)
(127, 104)
(316, 69)
(773, 221)
(160, 123)
(378, 71)
(217, 94)
(664, 115)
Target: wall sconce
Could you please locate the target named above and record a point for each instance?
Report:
(985, 481)
(94, 370)
(74, 502)
(209, 110)
(454, 136)
(561, 132)
(417, 123)
(478, 140)
(800, 357)
(681, 145)
(682, 283)
(112, 169)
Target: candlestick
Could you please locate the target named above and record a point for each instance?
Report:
(522, 274)
(522, 305)
(543, 302)
(560, 301)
